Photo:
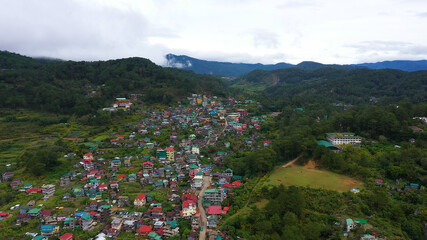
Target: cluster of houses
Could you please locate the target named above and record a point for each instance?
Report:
(121, 103)
(172, 142)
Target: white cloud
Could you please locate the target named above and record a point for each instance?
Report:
(240, 31)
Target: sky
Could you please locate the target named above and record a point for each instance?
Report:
(268, 31)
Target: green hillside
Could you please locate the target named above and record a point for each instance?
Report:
(352, 86)
(83, 87)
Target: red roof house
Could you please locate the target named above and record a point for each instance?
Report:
(66, 236)
(236, 183)
(145, 229)
(216, 210)
(191, 197)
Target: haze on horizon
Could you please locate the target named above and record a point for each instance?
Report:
(249, 31)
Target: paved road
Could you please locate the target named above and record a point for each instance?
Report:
(203, 218)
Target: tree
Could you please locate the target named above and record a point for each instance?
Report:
(40, 160)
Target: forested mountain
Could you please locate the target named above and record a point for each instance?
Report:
(236, 69)
(218, 68)
(83, 87)
(352, 86)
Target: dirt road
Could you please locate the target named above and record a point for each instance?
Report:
(291, 162)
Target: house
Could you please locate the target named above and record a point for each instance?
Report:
(195, 221)
(116, 224)
(227, 187)
(122, 201)
(343, 138)
(87, 221)
(4, 215)
(355, 190)
(188, 208)
(23, 218)
(114, 185)
(214, 196)
(69, 223)
(193, 170)
(144, 230)
(45, 213)
(49, 230)
(33, 190)
(197, 181)
(159, 224)
(236, 184)
(154, 236)
(122, 105)
(115, 163)
(105, 213)
(212, 221)
(103, 187)
(379, 181)
(171, 229)
(216, 210)
(35, 212)
(129, 225)
(170, 154)
(190, 196)
(228, 172)
(195, 150)
(65, 181)
(66, 236)
(328, 145)
(352, 223)
(48, 190)
(24, 209)
(140, 200)
(88, 156)
(132, 177)
(147, 167)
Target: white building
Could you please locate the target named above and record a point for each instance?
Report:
(343, 138)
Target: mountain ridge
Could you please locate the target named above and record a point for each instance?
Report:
(229, 69)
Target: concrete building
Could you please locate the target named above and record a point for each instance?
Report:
(48, 190)
(343, 138)
(170, 154)
(215, 196)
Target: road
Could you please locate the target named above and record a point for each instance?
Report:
(204, 221)
(222, 131)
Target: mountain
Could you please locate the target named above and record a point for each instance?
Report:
(408, 66)
(84, 87)
(229, 69)
(217, 68)
(331, 84)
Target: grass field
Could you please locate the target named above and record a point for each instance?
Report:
(311, 177)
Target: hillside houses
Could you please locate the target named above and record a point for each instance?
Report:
(154, 167)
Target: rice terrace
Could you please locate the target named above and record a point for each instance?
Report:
(309, 176)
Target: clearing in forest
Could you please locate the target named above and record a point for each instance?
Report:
(309, 176)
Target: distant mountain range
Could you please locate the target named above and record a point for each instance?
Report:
(229, 69)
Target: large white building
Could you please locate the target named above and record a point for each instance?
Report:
(343, 138)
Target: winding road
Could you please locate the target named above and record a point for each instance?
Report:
(206, 182)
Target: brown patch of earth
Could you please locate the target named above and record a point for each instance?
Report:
(310, 164)
(351, 183)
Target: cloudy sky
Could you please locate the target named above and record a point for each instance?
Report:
(269, 31)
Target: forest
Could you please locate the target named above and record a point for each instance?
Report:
(80, 88)
(292, 212)
(336, 85)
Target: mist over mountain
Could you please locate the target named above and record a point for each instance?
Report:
(237, 69)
